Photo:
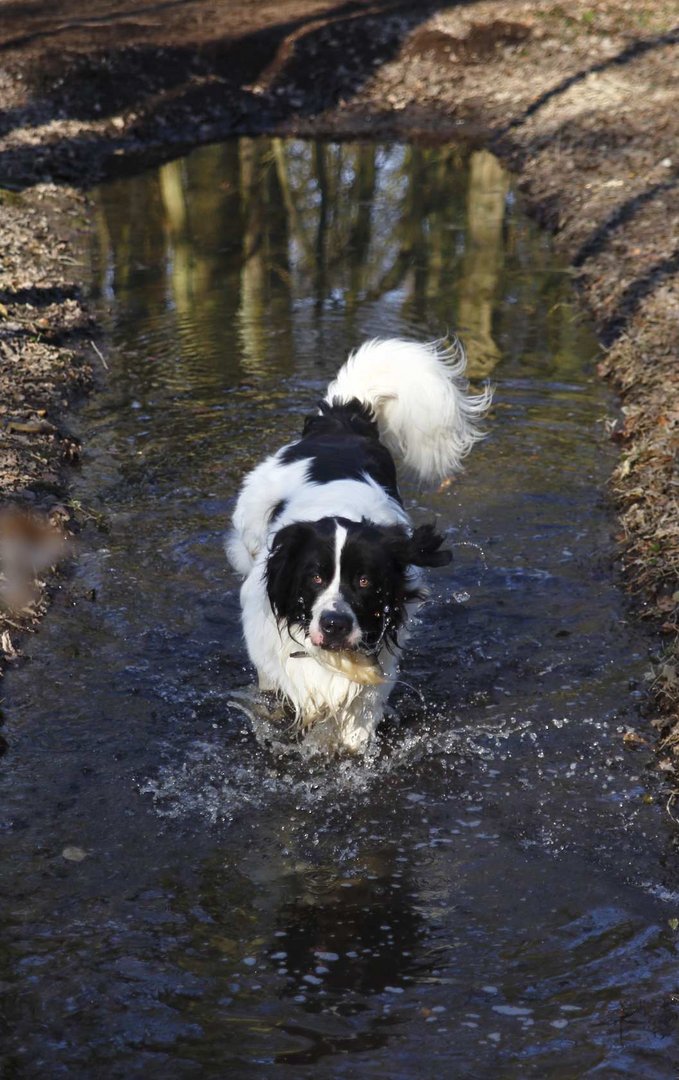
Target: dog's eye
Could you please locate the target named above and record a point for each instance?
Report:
(316, 579)
(363, 582)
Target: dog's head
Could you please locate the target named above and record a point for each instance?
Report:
(346, 584)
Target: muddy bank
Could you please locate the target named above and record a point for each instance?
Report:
(44, 332)
(581, 103)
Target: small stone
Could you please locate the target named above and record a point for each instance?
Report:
(74, 854)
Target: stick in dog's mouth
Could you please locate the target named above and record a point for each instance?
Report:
(352, 664)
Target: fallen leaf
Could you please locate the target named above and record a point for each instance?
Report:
(632, 738)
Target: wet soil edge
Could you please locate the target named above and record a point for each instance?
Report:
(46, 336)
(540, 93)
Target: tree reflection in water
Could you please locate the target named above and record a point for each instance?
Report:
(237, 237)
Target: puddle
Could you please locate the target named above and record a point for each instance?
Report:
(491, 893)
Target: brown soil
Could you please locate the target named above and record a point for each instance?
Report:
(42, 371)
(580, 99)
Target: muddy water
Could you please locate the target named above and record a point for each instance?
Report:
(491, 894)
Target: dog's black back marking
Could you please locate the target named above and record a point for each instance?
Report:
(342, 443)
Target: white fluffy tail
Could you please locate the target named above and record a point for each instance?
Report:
(420, 397)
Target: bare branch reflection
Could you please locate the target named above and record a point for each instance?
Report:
(483, 258)
(246, 241)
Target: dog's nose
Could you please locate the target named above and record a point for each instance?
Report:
(335, 624)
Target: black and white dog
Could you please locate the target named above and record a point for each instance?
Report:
(330, 560)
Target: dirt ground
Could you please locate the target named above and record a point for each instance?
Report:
(43, 371)
(579, 99)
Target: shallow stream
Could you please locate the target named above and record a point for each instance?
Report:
(493, 893)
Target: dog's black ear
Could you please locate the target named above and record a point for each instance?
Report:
(280, 566)
(425, 544)
(420, 549)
